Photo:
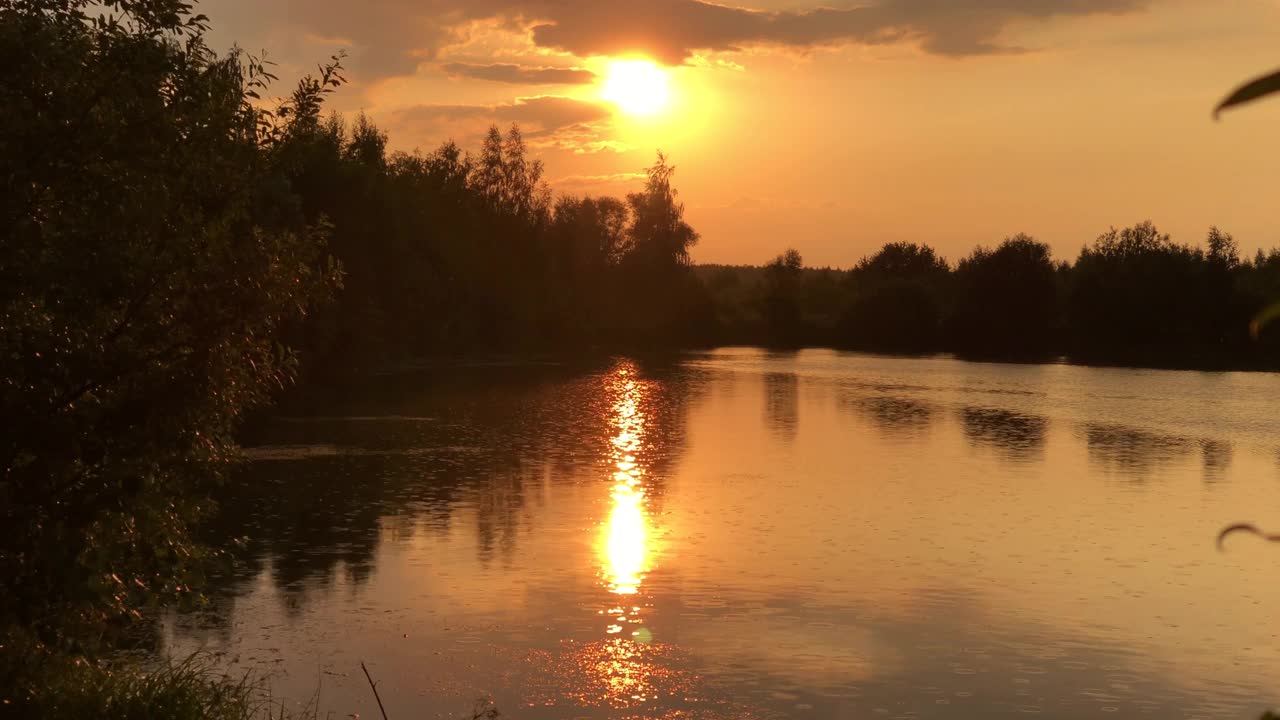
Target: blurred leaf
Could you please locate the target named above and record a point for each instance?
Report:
(1263, 319)
(1250, 91)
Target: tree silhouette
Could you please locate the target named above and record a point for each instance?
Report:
(1131, 291)
(781, 300)
(898, 296)
(660, 238)
(1006, 300)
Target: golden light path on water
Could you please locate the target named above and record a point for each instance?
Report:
(629, 667)
(622, 667)
(625, 531)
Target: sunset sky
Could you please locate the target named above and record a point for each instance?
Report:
(832, 127)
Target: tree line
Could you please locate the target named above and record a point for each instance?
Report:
(449, 252)
(1132, 296)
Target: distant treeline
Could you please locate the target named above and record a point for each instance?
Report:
(1133, 296)
(451, 253)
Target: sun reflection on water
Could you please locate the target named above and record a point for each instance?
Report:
(621, 666)
(624, 546)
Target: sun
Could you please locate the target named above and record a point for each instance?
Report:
(637, 87)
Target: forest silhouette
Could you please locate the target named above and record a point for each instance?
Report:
(452, 253)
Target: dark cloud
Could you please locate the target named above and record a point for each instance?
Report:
(521, 74)
(393, 36)
(672, 30)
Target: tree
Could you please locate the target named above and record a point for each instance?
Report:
(1135, 295)
(512, 183)
(1223, 250)
(150, 255)
(588, 240)
(781, 298)
(897, 261)
(659, 236)
(898, 299)
(1006, 300)
(661, 300)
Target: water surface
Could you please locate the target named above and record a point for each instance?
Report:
(743, 534)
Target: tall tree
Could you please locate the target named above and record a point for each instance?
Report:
(660, 238)
(663, 302)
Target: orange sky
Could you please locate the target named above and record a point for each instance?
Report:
(835, 127)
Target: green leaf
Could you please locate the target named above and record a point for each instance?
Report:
(1250, 91)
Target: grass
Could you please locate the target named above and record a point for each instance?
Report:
(58, 688)
(54, 687)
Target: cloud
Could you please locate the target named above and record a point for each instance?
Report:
(553, 111)
(599, 181)
(546, 120)
(580, 139)
(520, 74)
(675, 30)
(390, 37)
(542, 112)
(599, 146)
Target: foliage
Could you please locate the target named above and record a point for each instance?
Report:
(898, 296)
(1138, 290)
(660, 237)
(1006, 300)
(591, 239)
(148, 261)
(191, 689)
(72, 689)
(448, 253)
(1133, 296)
(781, 298)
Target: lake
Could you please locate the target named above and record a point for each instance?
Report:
(747, 534)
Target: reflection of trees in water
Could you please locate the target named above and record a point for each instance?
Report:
(1132, 451)
(411, 465)
(499, 504)
(782, 404)
(1015, 435)
(1216, 455)
(304, 519)
(894, 416)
